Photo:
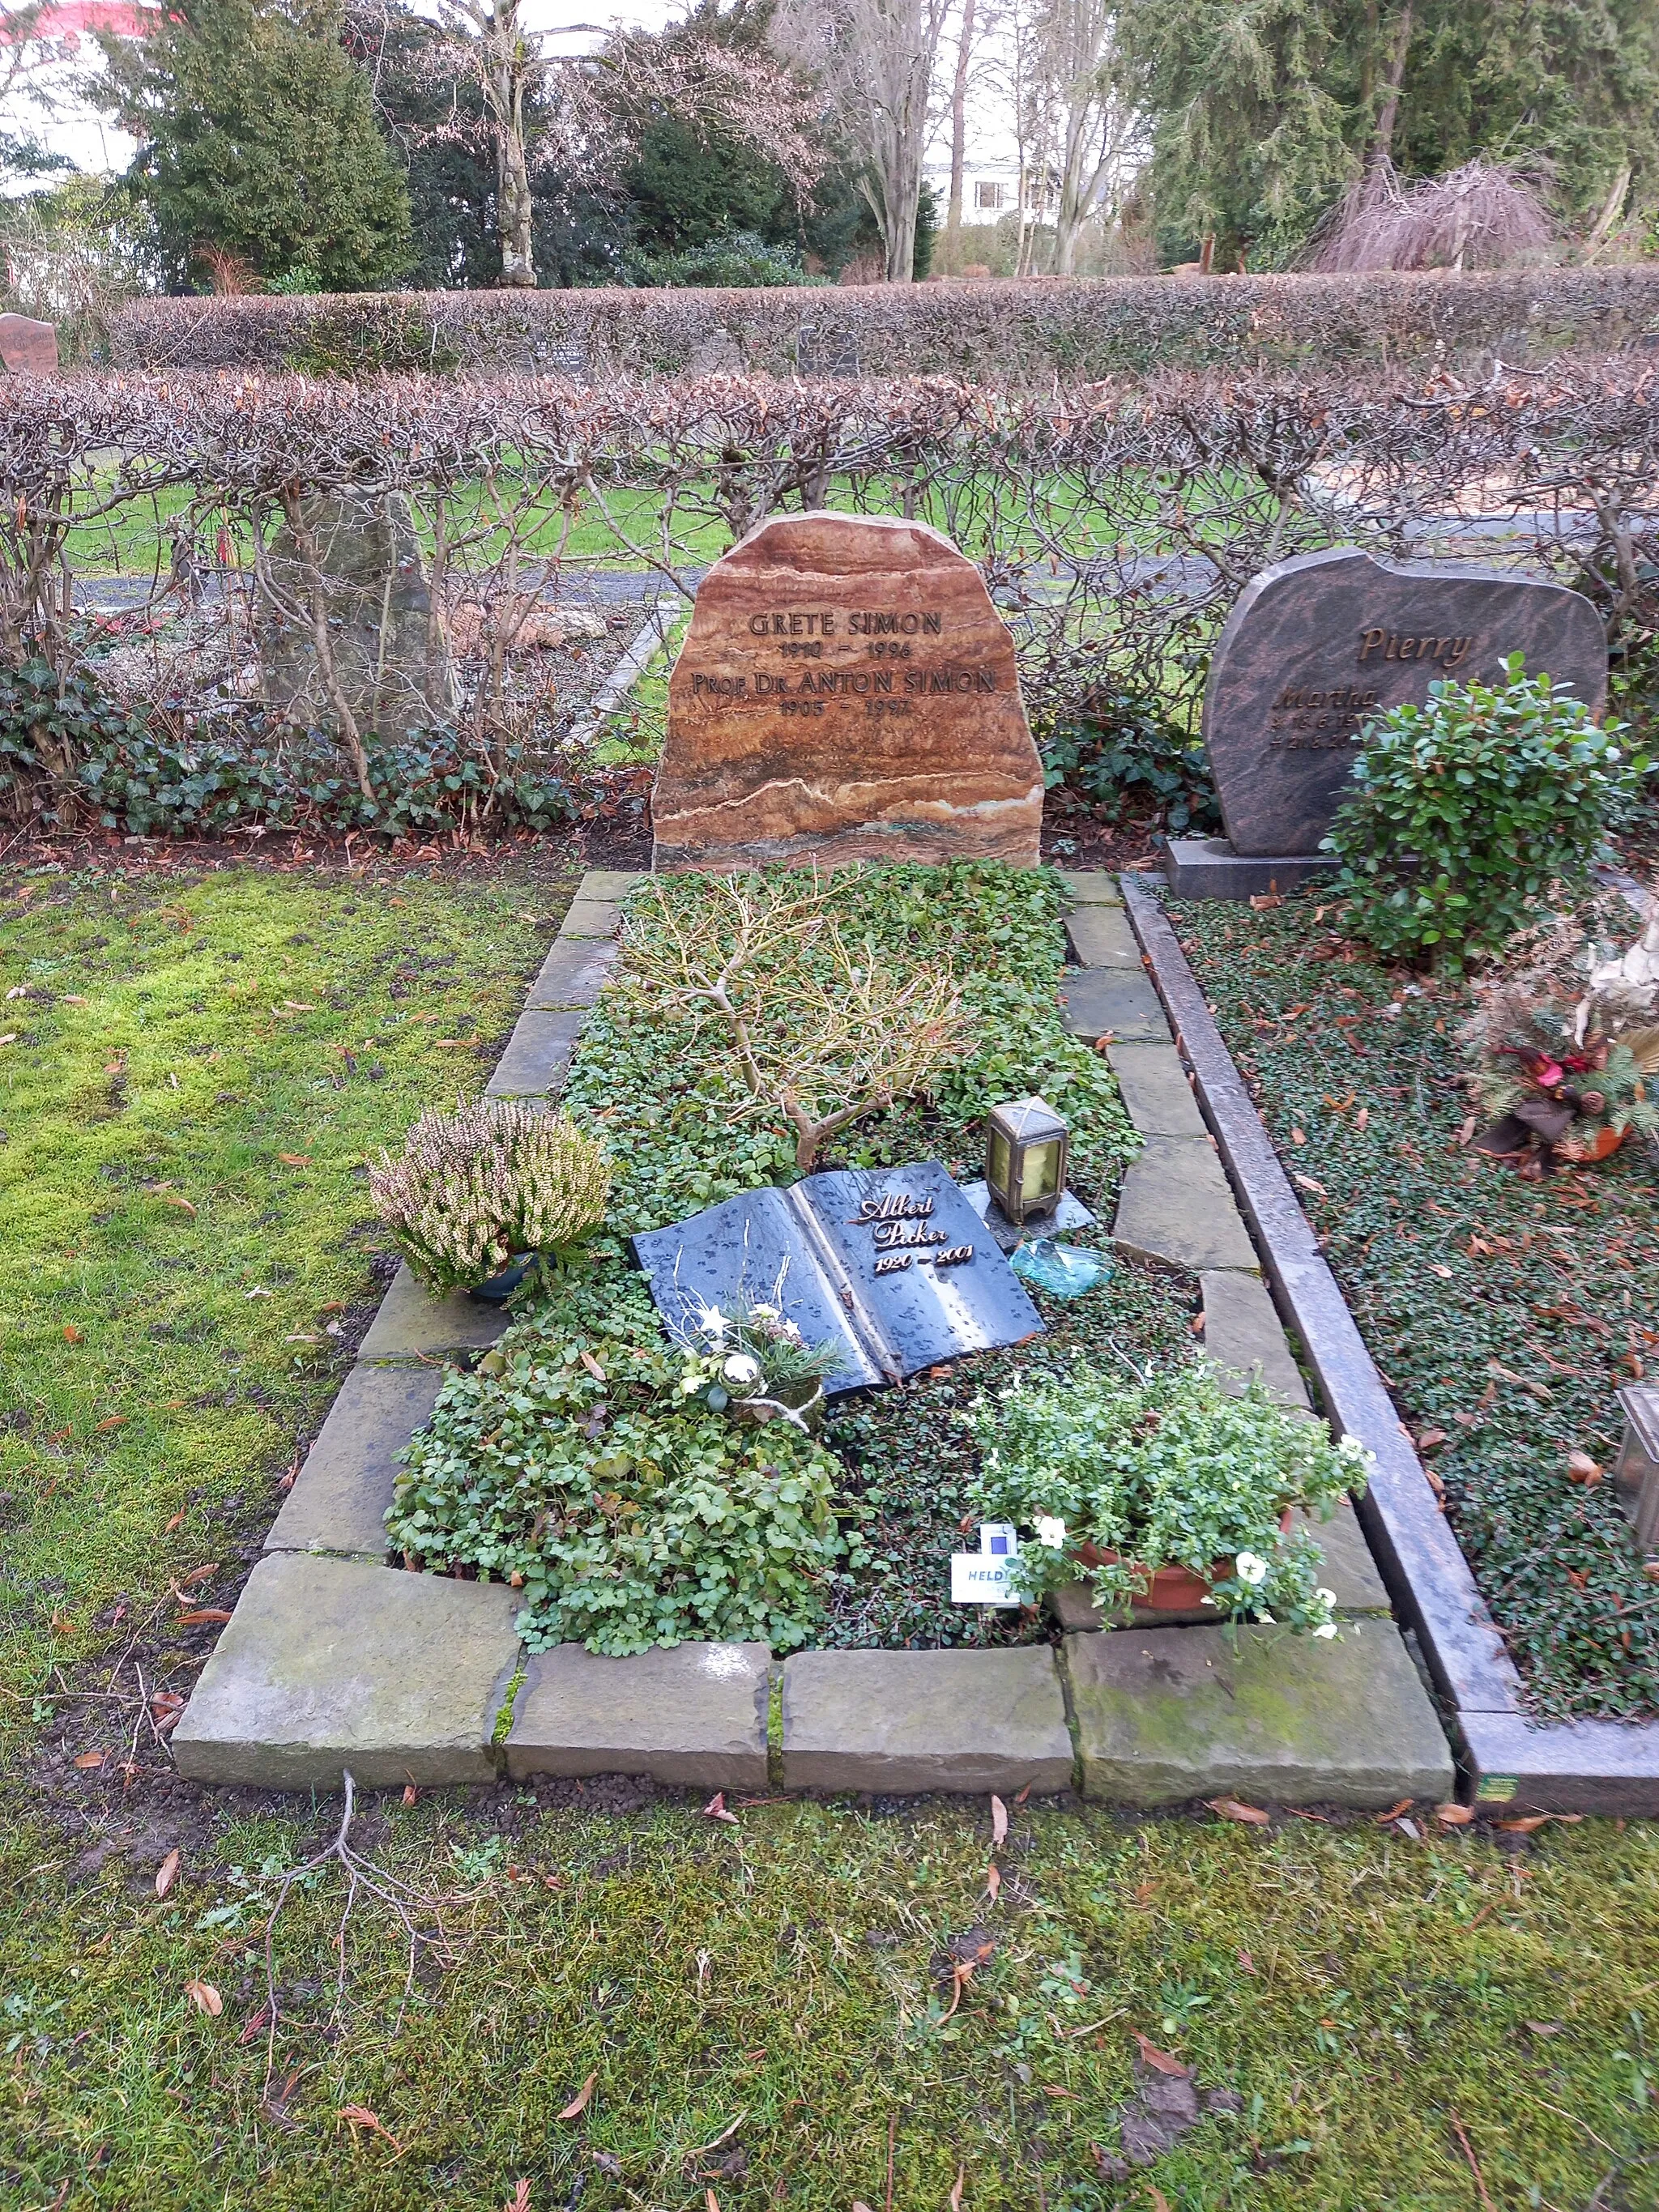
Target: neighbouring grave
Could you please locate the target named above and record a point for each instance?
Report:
(847, 691)
(891, 1265)
(1316, 645)
(388, 642)
(27, 348)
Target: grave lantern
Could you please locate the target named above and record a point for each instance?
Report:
(1025, 1149)
(1635, 1470)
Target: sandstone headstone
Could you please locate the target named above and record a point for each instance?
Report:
(27, 348)
(847, 691)
(391, 662)
(1318, 644)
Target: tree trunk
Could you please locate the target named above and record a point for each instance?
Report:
(1381, 147)
(958, 142)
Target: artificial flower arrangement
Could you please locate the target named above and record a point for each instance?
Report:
(479, 1192)
(1564, 1048)
(755, 1364)
(1169, 1491)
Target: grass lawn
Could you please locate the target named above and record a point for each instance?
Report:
(1502, 1314)
(763, 2005)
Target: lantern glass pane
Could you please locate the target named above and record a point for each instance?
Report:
(996, 1162)
(1040, 1170)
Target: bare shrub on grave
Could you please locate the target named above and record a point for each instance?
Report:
(821, 1031)
(1116, 521)
(1479, 215)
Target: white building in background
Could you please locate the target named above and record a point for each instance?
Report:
(44, 65)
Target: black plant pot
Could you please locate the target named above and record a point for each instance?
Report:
(498, 1289)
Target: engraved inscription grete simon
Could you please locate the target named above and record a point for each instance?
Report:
(1305, 718)
(903, 1234)
(799, 633)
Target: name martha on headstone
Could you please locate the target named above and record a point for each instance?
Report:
(847, 691)
(1317, 645)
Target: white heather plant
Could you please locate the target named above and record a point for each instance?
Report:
(1171, 1471)
(491, 1180)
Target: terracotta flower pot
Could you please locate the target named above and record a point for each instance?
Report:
(1173, 1588)
(1598, 1144)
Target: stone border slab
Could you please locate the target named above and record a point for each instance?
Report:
(1098, 1000)
(411, 1324)
(1242, 1334)
(537, 1056)
(1174, 1205)
(332, 1663)
(900, 1722)
(1156, 1092)
(340, 1496)
(1168, 1714)
(572, 975)
(1556, 1766)
(693, 1717)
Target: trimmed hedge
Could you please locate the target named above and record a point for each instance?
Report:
(1006, 331)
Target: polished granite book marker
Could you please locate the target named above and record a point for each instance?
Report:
(892, 1264)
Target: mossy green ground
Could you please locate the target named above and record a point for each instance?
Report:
(1367, 1995)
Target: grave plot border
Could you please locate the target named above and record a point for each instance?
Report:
(334, 1659)
(1509, 1757)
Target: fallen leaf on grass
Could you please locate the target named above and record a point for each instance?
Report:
(1161, 2062)
(578, 2104)
(521, 2198)
(1231, 1808)
(993, 1882)
(91, 1759)
(410, 1793)
(1160, 2202)
(1543, 2026)
(359, 2115)
(1455, 1816)
(71, 1334)
(298, 1006)
(197, 1575)
(1527, 1824)
(176, 1522)
(200, 1615)
(1070, 2096)
(167, 1874)
(176, 1198)
(956, 2193)
(715, 1809)
(1392, 1813)
(205, 1998)
(998, 1824)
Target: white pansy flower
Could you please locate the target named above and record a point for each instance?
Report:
(1267, 1619)
(1325, 1628)
(742, 1369)
(1250, 1567)
(1050, 1531)
(1325, 1596)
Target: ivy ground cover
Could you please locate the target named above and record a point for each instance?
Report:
(571, 1465)
(1502, 1314)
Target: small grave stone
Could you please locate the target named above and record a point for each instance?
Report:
(891, 1265)
(379, 618)
(847, 691)
(27, 348)
(1317, 645)
(826, 349)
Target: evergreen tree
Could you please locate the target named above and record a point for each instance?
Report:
(258, 138)
(1264, 112)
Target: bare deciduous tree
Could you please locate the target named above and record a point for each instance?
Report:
(1097, 136)
(875, 60)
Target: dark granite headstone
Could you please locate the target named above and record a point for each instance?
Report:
(891, 1263)
(826, 349)
(1318, 644)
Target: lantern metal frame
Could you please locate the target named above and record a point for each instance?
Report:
(1635, 1470)
(1021, 1126)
